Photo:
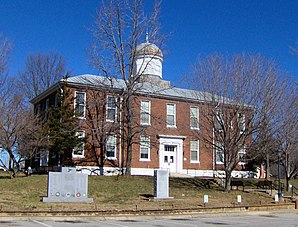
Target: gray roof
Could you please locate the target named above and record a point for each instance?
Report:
(155, 88)
(146, 88)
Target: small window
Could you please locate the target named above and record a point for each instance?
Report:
(111, 108)
(218, 121)
(194, 151)
(194, 118)
(111, 147)
(171, 115)
(78, 151)
(145, 148)
(80, 104)
(219, 153)
(145, 113)
(38, 109)
(241, 122)
(170, 148)
(242, 154)
(47, 108)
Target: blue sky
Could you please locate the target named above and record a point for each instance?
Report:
(197, 27)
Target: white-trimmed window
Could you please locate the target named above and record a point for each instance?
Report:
(219, 150)
(194, 151)
(111, 108)
(111, 147)
(171, 115)
(241, 122)
(80, 104)
(145, 112)
(145, 148)
(218, 121)
(242, 155)
(194, 117)
(78, 151)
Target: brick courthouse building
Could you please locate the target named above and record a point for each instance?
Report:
(168, 121)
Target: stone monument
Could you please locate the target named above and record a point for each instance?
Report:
(67, 186)
(161, 184)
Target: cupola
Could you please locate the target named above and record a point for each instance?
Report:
(148, 60)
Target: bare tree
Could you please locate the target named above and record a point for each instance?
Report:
(5, 48)
(119, 28)
(241, 93)
(287, 134)
(12, 124)
(41, 71)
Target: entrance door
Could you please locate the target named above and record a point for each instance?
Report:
(170, 158)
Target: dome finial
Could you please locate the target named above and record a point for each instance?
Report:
(147, 37)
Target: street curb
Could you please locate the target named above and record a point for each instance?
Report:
(185, 211)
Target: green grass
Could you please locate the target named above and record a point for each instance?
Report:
(119, 193)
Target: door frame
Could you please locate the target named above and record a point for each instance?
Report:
(175, 141)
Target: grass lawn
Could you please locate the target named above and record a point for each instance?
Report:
(119, 193)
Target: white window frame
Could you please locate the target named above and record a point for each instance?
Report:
(174, 115)
(218, 150)
(242, 150)
(145, 144)
(80, 104)
(218, 120)
(145, 111)
(196, 117)
(241, 122)
(193, 150)
(115, 147)
(79, 134)
(108, 108)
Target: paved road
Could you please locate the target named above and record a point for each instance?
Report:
(272, 219)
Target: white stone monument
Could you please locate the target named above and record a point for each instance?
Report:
(161, 184)
(67, 186)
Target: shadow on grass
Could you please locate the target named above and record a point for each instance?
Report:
(146, 196)
(196, 183)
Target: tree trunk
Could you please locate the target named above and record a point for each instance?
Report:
(228, 180)
(129, 137)
(288, 171)
(267, 166)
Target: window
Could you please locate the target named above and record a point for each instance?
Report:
(242, 154)
(78, 151)
(219, 153)
(111, 108)
(47, 104)
(170, 148)
(47, 108)
(145, 113)
(194, 151)
(241, 122)
(194, 118)
(38, 109)
(171, 115)
(218, 121)
(111, 147)
(145, 148)
(56, 100)
(80, 104)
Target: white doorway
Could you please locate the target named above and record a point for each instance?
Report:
(170, 158)
(171, 153)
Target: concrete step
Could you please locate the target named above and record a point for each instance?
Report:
(180, 175)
